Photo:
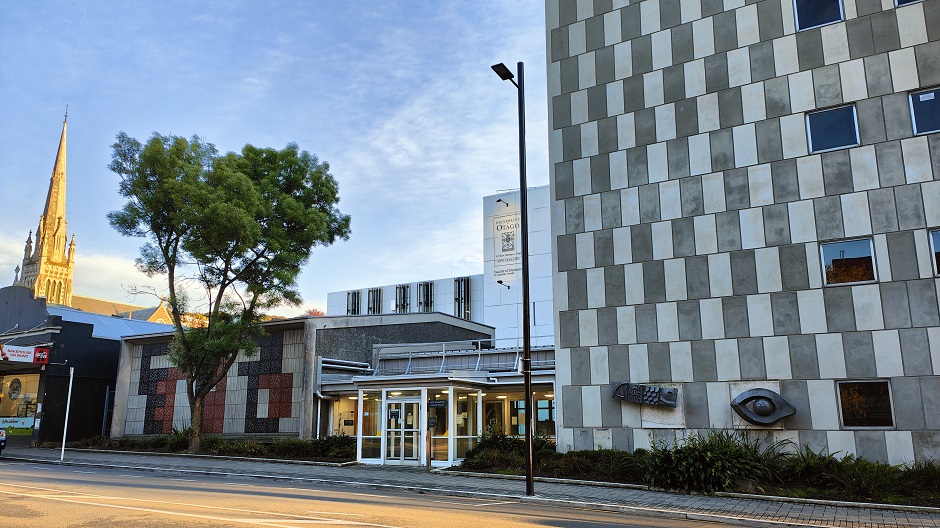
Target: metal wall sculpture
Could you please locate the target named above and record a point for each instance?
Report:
(646, 394)
(762, 406)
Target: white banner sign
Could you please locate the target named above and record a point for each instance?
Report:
(24, 354)
(506, 231)
(18, 422)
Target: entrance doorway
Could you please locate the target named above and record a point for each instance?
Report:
(402, 432)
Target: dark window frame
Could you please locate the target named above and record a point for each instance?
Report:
(809, 129)
(874, 261)
(796, 17)
(910, 102)
(839, 404)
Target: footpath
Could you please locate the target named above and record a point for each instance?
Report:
(735, 509)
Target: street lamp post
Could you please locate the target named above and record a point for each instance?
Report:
(506, 75)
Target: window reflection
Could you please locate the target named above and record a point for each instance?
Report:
(865, 404)
(849, 261)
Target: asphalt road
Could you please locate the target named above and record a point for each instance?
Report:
(47, 496)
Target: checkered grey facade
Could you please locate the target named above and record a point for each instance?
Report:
(688, 212)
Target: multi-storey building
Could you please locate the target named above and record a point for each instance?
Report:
(745, 196)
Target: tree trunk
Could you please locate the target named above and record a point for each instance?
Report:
(195, 441)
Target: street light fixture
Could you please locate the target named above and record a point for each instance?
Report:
(507, 75)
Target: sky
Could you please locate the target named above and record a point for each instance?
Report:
(396, 96)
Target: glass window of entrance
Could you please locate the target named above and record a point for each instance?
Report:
(371, 424)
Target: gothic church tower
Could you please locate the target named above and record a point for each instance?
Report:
(49, 266)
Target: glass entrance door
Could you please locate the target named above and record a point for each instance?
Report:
(402, 432)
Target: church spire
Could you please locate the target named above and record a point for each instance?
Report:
(52, 232)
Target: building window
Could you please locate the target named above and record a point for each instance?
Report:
(832, 129)
(375, 301)
(935, 250)
(426, 296)
(402, 298)
(925, 111)
(353, 302)
(848, 262)
(900, 3)
(865, 404)
(462, 297)
(815, 13)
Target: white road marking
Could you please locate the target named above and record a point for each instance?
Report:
(133, 476)
(472, 503)
(84, 472)
(42, 468)
(184, 480)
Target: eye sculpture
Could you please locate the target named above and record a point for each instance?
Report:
(762, 406)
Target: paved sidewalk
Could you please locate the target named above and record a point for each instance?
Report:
(739, 510)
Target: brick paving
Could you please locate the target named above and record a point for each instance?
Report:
(737, 510)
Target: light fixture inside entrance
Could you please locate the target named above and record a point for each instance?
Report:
(354, 397)
(549, 395)
(445, 392)
(396, 393)
(502, 396)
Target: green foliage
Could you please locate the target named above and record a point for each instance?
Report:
(178, 439)
(242, 225)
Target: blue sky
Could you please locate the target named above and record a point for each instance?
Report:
(397, 96)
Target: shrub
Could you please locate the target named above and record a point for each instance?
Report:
(243, 448)
(178, 439)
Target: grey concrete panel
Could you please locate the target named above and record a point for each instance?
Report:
(871, 121)
(600, 173)
(641, 242)
(928, 63)
(895, 305)
(649, 203)
(751, 354)
(611, 408)
(677, 156)
(795, 392)
(903, 255)
(568, 13)
(908, 404)
(861, 43)
(734, 310)
(815, 441)
(669, 14)
(837, 172)
(574, 215)
(618, 362)
(923, 297)
(794, 274)
(785, 180)
(594, 33)
(933, 142)
(690, 192)
(712, 7)
(604, 69)
(743, 272)
(932, 17)
(564, 180)
(659, 362)
(840, 309)
(690, 321)
(682, 44)
(910, 203)
(686, 117)
(786, 314)
(884, 214)
(642, 48)
(646, 329)
(776, 225)
(770, 20)
(674, 83)
(878, 75)
(559, 44)
(884, 30)
(696, 405)
(614, 287)
(577, 289)
(809, 49)
(567, 253)
(603, 248)
(654, 281)
(603, 6)
(580, 366)
(737, 193)
(645, 122)
(728, 225)
(583, 439)
(930, 391)
(769, 143)
(611, 212)
(622, 439)
(572, 411)
(561, 111)
(607, 326)
(867, 7)
(761, 56)
(571, 143)
(730, 108)
(859, 355)
(890, 166)
(664, 436)
(637, 166)
(704, 362)
(716, 72)
(569, 329)
(722, 149)
(597, 102)
(777, 97)
(726, 32)
(915, 352)
(926, 445)
(804, 363)
(630, 22)
(871, 445)
(897, 116)
(683, 237)
(569, 75)
(633, 94)
(827, 85)
(828, 217)
(696, 277)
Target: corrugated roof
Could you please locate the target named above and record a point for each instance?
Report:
(107, 327)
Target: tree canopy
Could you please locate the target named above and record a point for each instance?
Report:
(240, 226)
